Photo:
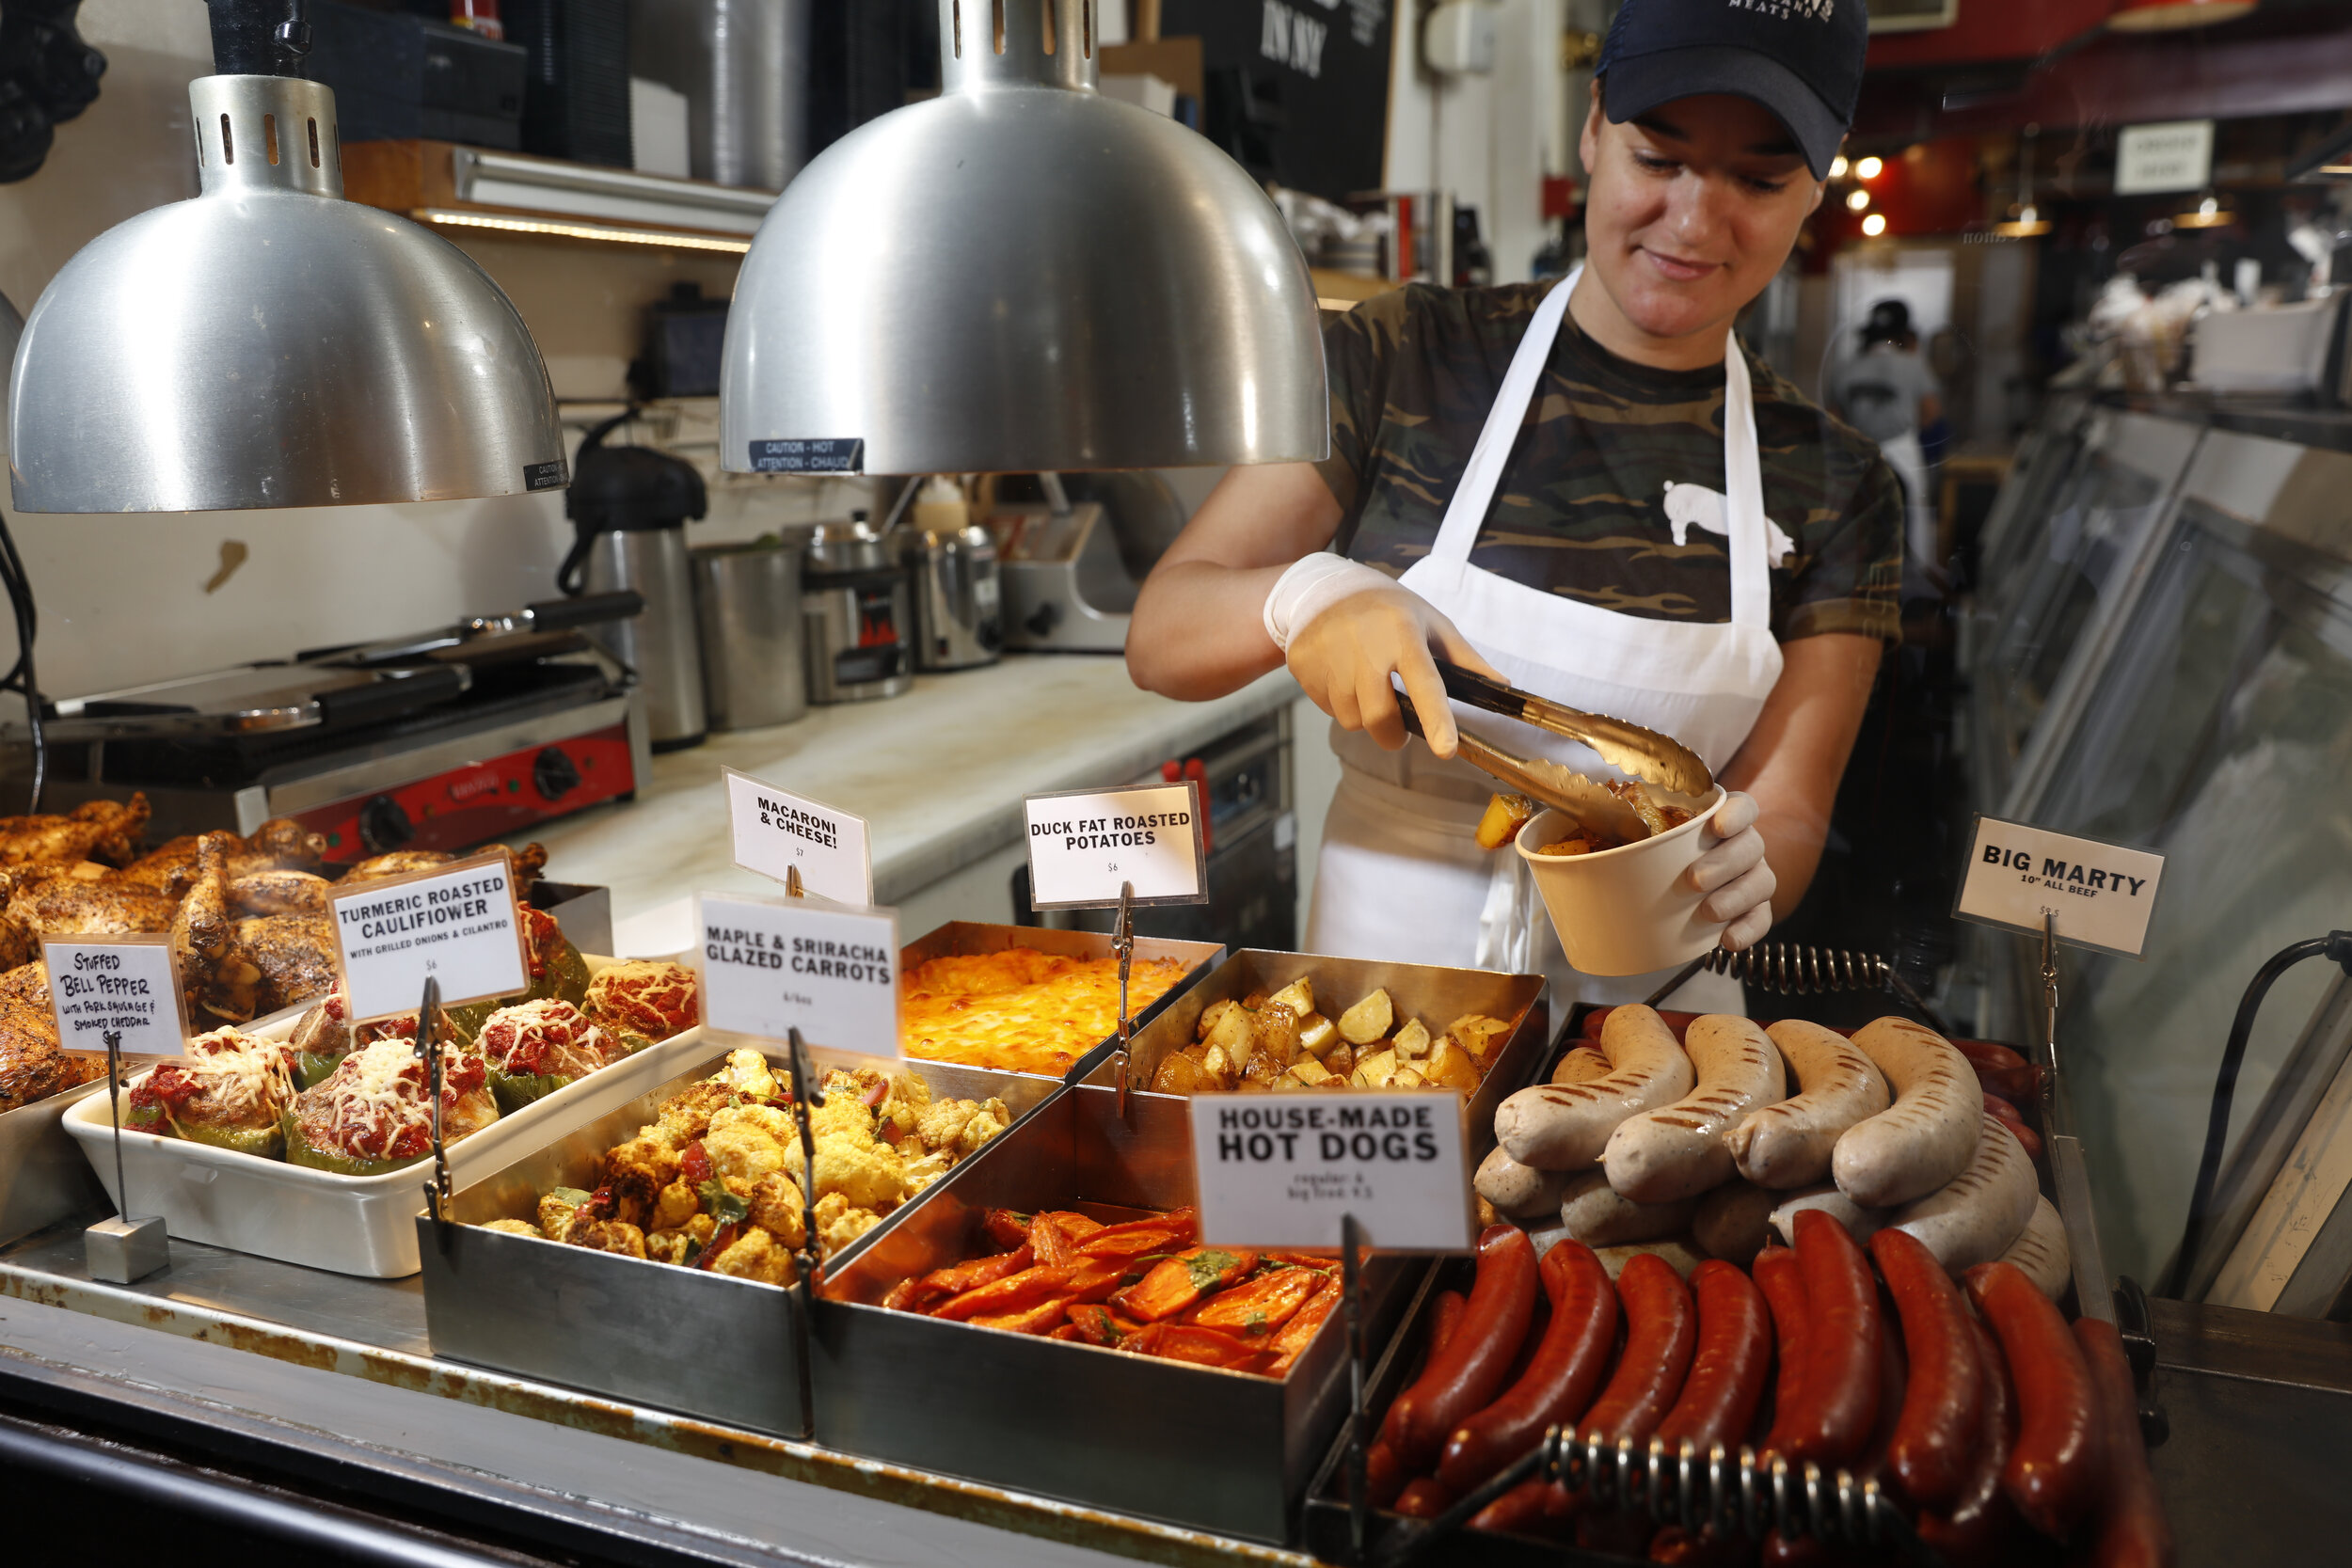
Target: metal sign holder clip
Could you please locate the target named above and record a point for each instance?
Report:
(437, 1195)
(122, 1249)
(807, 1094)
(1352, 1305)
(1124, 943)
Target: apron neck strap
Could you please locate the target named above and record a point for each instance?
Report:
(1744, 485)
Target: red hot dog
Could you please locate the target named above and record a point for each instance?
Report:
(1559, 1381)
(1661, 1330)
(1928, 1451)
(1978, 1532)
(1838, 1398)
(1466, 1375)
(2054, 1473)
(1777, 1276)
(2132, 1532)
(1734, 1347)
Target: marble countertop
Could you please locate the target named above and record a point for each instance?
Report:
(939, 775)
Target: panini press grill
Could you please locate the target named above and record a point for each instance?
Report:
(439, 742)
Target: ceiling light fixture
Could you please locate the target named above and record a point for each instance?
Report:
(1856, 200)
(1869, 168)
(1837, 167)
(1875, 225)
(268, 343)
(665, 239)
(2157, 16)
(1022, 274)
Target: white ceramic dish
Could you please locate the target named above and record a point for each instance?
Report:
(1625, 910)
(358, 1224)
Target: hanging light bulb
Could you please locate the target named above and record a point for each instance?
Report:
(1857, 200)
(1021, 274)
(1837, 167)
(1875, 225)
(1869, 168)
(269, 343)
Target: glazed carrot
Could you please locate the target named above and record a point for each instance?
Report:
(1202, 1346)
(1075, 1226)
(1051, 1242)
(902, 1296)
(1072, 1331)
(1175, 1283)
(1258, 1305)
(1012, 1293)
(1032, 1320)
(1305, 1260)
(1005, 1227)
(1092, 1281)
(1292, 1339)
(940, 1284)
(1135, 1238)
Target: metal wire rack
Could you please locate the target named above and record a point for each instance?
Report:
(1799, 970)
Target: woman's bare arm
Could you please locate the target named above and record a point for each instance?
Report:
(1198, 630)
(1797, 753)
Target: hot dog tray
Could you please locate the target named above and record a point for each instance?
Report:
(973, 936)
(699, 1343)
(1325, 1526)
(1195, 1445)
(1438, 996)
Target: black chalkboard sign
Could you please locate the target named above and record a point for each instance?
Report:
(1297, 90)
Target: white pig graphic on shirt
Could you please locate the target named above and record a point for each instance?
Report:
(1688, 504)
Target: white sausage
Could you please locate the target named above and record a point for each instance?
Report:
(1861, 1223)
(1518, 1191)
(1929, 1136)
(1789, 1144)
(1985, 1209)
(1563, 1127)
(1679, 1150)
(1582, 1066)
(1735, 1221)
(1594, 1215)
(2041, 1251)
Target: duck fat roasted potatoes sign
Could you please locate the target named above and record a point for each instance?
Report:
(1084, 843)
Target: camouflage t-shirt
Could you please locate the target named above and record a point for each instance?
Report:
(1614, 460)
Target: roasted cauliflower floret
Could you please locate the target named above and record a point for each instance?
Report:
(991, 1119)
(555, 1212)
(678, 1204)
(685, 1116)
(775, 1206)
(752, 1141)
(895, 1118)
(665, 1246)
(514, 1227)
(606, 1236)
(866, 1174)
(839, 1222)
(922, 1172)
(943, 1121)
(756, 1255)
(748, 1072)
(845, 1113)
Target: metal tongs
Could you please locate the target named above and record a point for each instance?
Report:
(1643, 753)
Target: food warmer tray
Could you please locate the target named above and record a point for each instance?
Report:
(973, 936)
(1193, 1446)
(1435, 996)
(43, 1178)
(699, 1343)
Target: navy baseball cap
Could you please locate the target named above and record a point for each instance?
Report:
(1801, 59)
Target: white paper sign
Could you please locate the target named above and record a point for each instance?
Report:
(1284, 1169)
(127, 984)
(1084, 843)
(455, 924)
(2172, 155)
(773, 965)
(2101, 894)
(778, 833)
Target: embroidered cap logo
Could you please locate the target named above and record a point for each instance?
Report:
(1802, 10)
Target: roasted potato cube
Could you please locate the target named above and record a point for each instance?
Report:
(1231, 1032)
(1369, 1019)
(1317, 1035)
(1413, 1040)
(1264, 1067)
(1406, 1078)
(1449, 1066)
(1180, 1074)
(1478, 1033)
(1255, 1000)
(1217, 1065)
(1253, 1085)
(1311, 1073)
(1274, 1032)
(1376, 1069)
(1209, 1015)
(1298, 996)
(1287, 1085)
(1341, 1059)
(1504, 816)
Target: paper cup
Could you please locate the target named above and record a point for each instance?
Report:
(1625, 910)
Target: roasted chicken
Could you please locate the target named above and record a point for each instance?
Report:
(104, 831)
(32, 1065)
(280, 844)
(280, 893)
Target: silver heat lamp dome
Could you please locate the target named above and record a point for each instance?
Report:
(1021, 274)
(268, 343)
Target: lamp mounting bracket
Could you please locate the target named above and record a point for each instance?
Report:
(260, 37)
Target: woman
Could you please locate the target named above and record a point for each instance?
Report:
(1887, 392)
(1575, 488)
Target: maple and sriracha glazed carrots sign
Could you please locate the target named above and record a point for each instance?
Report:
(455, 924)
(1284, 1170)
(773, 965)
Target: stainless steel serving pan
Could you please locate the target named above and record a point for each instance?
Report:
(700, 1344)
(1195, 1445)
(43, 1178)
(1437, 996)
(972, 936)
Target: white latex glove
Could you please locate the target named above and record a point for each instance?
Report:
(1345, 657)
(1735, 879)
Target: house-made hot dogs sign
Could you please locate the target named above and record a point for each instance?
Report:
(2100, 894)
(1285, 1170)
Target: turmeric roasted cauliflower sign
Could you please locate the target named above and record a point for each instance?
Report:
(773, 965)
(455, 924)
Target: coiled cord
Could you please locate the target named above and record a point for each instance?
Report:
(1798, 969)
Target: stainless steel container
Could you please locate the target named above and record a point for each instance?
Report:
(744, 66)
(659, 643)
(747, 601)
(958, 601)
(856, 615)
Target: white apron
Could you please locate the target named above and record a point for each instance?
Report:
(1400, 877)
